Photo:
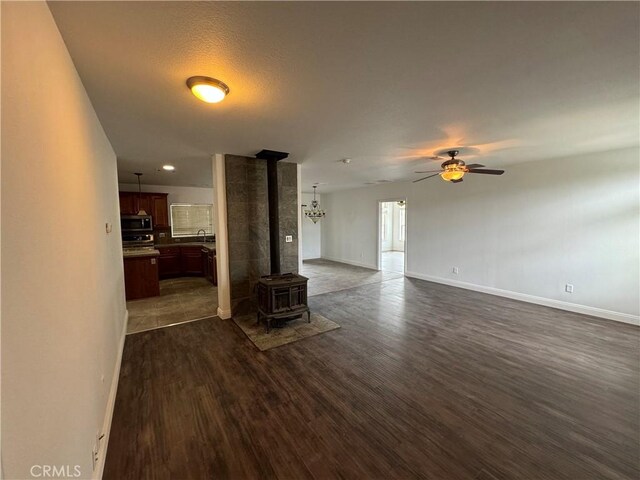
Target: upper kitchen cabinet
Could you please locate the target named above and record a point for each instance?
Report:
(128, 203)
(155, 204)
(144, 203)
(159, 209)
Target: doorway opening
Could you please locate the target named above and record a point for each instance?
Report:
(392, 243)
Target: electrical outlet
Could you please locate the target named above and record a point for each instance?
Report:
(288, 238)
(568, 288)
(162, 234)
(455, 270)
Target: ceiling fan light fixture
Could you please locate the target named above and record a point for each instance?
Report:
(208, 89)
(452, 174)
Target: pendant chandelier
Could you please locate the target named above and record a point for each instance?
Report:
(314, 213)
(141, 211)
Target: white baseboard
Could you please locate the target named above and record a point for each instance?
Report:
(111, 403)
(547, 302)
(224, 314)
(349, 262)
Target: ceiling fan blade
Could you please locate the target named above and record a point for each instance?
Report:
(424, 178)
(456, 181)
(429, 171)
(486, 171)
(475, 165)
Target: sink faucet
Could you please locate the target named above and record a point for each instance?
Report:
(204, 234)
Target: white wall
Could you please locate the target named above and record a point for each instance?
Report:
(311, 232)
(534, 229)
(63, 308)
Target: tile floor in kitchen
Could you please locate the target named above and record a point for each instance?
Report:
(181, 300)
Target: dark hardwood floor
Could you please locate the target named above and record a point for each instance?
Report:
(421, 381)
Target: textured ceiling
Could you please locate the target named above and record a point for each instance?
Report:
(385, 84)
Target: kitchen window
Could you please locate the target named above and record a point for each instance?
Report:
(187, 219)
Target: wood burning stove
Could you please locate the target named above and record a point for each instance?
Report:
(280, 296)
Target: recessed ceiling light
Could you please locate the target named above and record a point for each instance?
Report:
(208, 89)
(346, 161)
(168, 168)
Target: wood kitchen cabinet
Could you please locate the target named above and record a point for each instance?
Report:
(141, 277)
(155, 204)
(209, 265)
(191, 260)
(144, 203)
(213, 268)
(177, 261)
(169, 262)
(128, 203)
(159, 209)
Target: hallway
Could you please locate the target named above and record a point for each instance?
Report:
(392, 261)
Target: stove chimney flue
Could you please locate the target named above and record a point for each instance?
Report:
(272, 158)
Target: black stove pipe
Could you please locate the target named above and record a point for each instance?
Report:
(274, 217)
(272, 157)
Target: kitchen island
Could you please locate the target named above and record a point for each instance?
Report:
(141, 278)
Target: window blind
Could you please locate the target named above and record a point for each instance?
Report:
(187, 219)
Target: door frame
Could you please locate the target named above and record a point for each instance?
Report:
(379, 232)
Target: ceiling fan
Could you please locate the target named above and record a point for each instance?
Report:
(453, 170)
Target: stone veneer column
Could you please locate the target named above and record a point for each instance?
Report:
(248, 225)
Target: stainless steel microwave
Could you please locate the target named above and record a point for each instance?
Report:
(136, 223)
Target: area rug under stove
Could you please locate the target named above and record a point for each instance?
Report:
(292, 331)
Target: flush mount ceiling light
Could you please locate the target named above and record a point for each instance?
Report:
(208, 89)
(168, 168)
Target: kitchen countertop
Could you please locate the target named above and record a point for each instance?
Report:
(208, 245)
(140, 252)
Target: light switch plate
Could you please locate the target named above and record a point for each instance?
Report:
(288, 238)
